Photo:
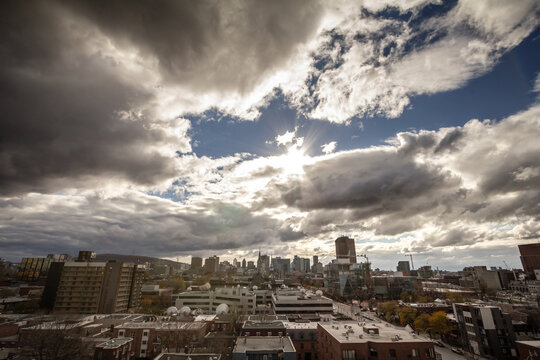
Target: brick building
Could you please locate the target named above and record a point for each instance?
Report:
(115, 349)
(151, 338)
(351, 341)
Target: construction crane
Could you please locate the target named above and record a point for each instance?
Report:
(412, 263)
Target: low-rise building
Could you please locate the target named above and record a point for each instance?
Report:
(115, 349)
(290, 301)
(238, 299)
(486, 330)
(152, 337)
(352, 340)
(304, 338)
(528, 350)
(264, 347)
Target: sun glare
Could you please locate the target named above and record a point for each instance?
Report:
(294, 160)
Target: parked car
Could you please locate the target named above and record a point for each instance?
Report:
(457, 351)
(438, 343)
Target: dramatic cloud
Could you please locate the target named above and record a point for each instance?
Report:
(69, 115)
(96, 149)
(374, 61)
(129, 222)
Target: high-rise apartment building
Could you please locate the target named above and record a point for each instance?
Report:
(96, 287)
(211, 265)
(530, 258)
(196, 263)
(263, 263)
(301, 264)
(281, 266)
(346, 249)
(36, 269)
(403, 266)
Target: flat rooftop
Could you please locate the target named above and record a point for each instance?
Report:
(175, 325)
(263, 343)
(114, 343)
(358, 332)
(273, 324)
(175, 356)
(300, 325)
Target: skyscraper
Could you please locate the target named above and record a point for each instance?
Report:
(196, 263)
(211, 265)
(530, 257)
(403, 266)
(346, 249)
(243, 263)
(96, 287)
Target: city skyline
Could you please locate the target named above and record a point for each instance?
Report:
(216, 128)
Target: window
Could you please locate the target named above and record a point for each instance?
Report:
(415, 353)
(430, 353)
(392, 353)
(269, 333)
(348, 355)
(373, 352)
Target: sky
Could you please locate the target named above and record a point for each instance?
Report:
(194, 128)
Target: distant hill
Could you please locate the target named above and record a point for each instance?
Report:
(137, 259)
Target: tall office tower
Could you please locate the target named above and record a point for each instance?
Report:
(95, 287)
(196, 263)
(211, 265)
(244, 264)
(86, 256)
(263, 264)
(346, 249)
(315, 259)
(530, 257)
(403, 266)
(36, 269)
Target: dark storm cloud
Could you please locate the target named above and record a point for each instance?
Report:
(126, 223)
(378, 179)
(208, 45)
(60, 109)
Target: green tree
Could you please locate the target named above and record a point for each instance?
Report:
(421, 323)
(406, 315)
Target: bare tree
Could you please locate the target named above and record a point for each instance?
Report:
(51, 340)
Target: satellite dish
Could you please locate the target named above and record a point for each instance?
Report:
(222, 309)
(255, 287)
(185, 310)
(318, 292)
(172, 311)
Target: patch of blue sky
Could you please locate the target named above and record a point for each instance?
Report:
(503, 91)
(177, 192)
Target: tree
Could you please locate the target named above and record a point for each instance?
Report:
(421, 323)
(406, 315)
(405, 297)
(439, 323)
(387, 309)
(52, 341)
(201, 280)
